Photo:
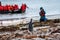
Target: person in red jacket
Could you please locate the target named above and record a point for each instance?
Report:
(16, 7)
(12, 8)
(1, 8)
(9, 7)
(5, 8)
(23, 8)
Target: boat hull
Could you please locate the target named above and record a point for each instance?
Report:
(12, 12)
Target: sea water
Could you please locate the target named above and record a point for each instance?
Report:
(52, 7)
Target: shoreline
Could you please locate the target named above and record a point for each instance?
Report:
(22, 21)
(12, 17)
(14, 21)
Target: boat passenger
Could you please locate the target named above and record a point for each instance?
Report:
(12, 8)
(23, 8)
(16, 7)
(9, 7)
(4, 8)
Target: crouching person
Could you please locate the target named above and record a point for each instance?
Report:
(42, 15)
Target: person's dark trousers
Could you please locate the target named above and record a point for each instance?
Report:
(30, 26)
(42, 19)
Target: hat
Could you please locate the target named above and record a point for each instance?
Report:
(41, 7)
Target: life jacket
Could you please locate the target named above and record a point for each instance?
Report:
(1, 8)
(23, 7)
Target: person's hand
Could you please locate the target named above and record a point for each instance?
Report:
(27, 7)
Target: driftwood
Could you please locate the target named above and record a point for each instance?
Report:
(27, 36)
(8, 29)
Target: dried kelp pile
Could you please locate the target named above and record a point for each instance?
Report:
(38, 32)
(45, 30)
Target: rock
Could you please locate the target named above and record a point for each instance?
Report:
(18, 35)
(30, 36)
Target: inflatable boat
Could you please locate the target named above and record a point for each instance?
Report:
(5, 9)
